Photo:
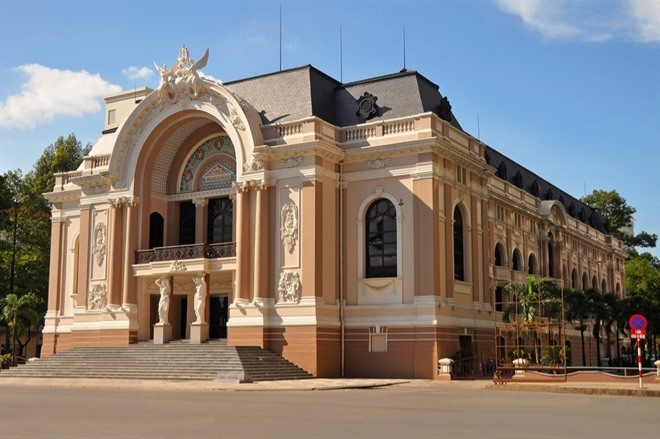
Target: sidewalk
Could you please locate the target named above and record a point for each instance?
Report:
(612, 389)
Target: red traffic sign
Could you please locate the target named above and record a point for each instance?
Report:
(641, 336)
(637, 322)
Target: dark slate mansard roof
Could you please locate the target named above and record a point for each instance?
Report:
(305, 91)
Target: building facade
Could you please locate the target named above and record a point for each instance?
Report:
(354, 229)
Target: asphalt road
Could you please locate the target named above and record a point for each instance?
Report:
(391, 412)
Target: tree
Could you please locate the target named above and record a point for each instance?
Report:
(537, 299)
(601, 313)
(23, 316)
(578, 309)
(643, 279)
(25, 222)
(618, 215)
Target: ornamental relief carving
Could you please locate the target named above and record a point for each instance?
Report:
(253, 165)
(378, 163)
(97, 298)
(289, 226)
(292, 162)
(288, 290)
(178, 266)
(375, 288)
(236, 119)
(99, 243)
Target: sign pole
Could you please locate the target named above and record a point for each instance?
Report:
(637, 323)
(639, 361)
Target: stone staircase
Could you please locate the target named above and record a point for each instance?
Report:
(177, 360)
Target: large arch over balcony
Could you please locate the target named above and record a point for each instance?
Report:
(153, 121)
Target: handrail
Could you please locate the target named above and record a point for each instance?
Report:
(188, 251)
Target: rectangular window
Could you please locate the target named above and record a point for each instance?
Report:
(518, 220)
(500, 213)
(461, 174)
(112, 116)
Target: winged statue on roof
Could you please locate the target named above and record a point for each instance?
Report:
(183, 78)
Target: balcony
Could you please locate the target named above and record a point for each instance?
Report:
(183, 252)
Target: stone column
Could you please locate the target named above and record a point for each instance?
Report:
(473, 251)
(129, 284)
(488, 297)
(449, 241)
(201, 220)
(242, 244)
(83, 256)
(260, 275)
(56, 268)
(545, 239)
(116, 236)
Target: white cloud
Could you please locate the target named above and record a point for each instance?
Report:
(49, 92)
(645, 19)
(636, 20)
(134, 72)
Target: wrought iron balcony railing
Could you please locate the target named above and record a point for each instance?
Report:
(192, 251)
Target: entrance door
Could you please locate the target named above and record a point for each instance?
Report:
(183, 325)
(219, 316)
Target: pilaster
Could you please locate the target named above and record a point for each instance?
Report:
(129, 283)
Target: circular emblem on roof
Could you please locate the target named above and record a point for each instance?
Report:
(367, 107)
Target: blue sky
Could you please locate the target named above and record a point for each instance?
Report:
(569, 89)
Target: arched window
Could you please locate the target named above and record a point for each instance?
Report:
(531, 264)
(585, 281)
(499, 255)
(381, 260)
(618, 290)
(156, 224)
(220, 220)
(459, 253)
(603, 286)
(517, 262)
(574, 279)
(594, 284)
(186, 223)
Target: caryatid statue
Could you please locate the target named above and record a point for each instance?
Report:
(200, 298)
(164, 303)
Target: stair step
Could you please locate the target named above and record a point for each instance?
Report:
(176, 360)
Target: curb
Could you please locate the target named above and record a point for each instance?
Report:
(652, 393)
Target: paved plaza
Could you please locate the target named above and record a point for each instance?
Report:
(372, 408)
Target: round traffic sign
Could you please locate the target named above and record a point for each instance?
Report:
(637, 321)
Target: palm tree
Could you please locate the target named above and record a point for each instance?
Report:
(538, 298)
(578, 309)
(22, 315)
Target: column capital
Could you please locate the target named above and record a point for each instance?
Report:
(259, 185)
(132, 201)
(241, 186)
(200, 202)
(117, 203)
